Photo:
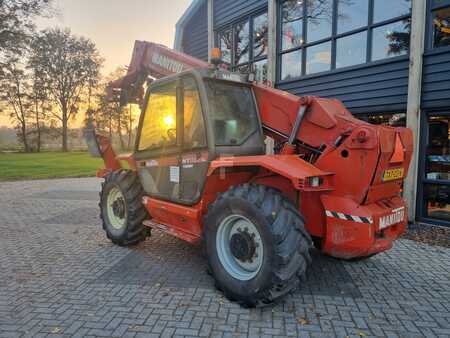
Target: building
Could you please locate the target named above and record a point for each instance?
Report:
(387, 60)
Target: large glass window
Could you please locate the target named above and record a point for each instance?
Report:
(244, 45)
(291, 65)
(160, 119)
(226, 44)
(393, 119)
(260, 35)
(320, 19)
(292, 24)
(387, 9)
(352, 14)
(351, 50)
(391, 40)
(233, 112)
(194, 128)
(318, 58)
(340, 33)
(441, 27)
(436, 191)
(438, 148)
(437, 201)
(260, 69)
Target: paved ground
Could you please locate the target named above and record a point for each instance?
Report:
(59, 276)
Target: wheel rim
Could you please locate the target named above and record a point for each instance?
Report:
(117, 211)
(239, 247)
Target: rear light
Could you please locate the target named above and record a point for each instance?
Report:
(315, 181)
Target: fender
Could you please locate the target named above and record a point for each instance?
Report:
(298, 171)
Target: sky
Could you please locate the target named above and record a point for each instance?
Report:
(114, 25)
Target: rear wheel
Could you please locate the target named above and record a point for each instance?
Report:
(256, 244)
(121, 208)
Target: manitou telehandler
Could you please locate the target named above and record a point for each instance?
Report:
(200, 172)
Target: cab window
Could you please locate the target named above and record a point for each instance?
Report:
(233, 112)
(194, 127)
(159, 127)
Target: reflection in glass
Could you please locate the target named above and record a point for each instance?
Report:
(244, 69)
(352, 14)
(260, 35)
(351, 50)
(385, 119)
(437, 201)
(291, 65)
(292, 10)
(260, 69)
(242, 41)
(388, 9)
(320, 17)
(441, 27)
(225, 44)
(194, 129)
(292, 24)
(391, 40)
(232, 112)
(318, 58)
(292, 34)
(160, 120)
(438, 148)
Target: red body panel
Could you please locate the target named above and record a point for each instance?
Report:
(290, 166)
(355, 211)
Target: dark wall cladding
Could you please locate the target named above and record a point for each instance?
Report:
(195, 34)
(226, 11)
(377, 87)
(436, 80)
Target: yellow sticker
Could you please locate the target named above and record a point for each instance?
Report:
(393, 174)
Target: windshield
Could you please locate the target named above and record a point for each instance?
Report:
(233, 112)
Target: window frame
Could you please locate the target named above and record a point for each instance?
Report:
(333, 38)
(250, 18)
(431, 8)
(422, 180)
(179, 145)
(202, 108)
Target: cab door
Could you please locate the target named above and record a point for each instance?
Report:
(159, 142)
(195, 155)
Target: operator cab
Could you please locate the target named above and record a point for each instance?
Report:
(188, 120)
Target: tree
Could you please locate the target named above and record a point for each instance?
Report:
(69, 66)
(16, 22)
(14, 93)
(40, 109)
(109, 116)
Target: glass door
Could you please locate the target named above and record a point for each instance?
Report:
(434, 201)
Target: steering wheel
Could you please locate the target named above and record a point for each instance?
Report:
(172, 134)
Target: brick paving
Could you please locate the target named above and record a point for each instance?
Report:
(60, 277)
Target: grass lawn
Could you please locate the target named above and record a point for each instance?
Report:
(16, 166)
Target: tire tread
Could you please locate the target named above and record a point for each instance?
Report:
(292, 241)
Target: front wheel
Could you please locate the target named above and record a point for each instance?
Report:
(121, 208)
(256, 244)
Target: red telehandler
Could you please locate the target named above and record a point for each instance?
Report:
(200, 172)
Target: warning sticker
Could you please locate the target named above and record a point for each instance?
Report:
(174, 174)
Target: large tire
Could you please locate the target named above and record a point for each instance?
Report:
(121, 208)
(280, 237)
